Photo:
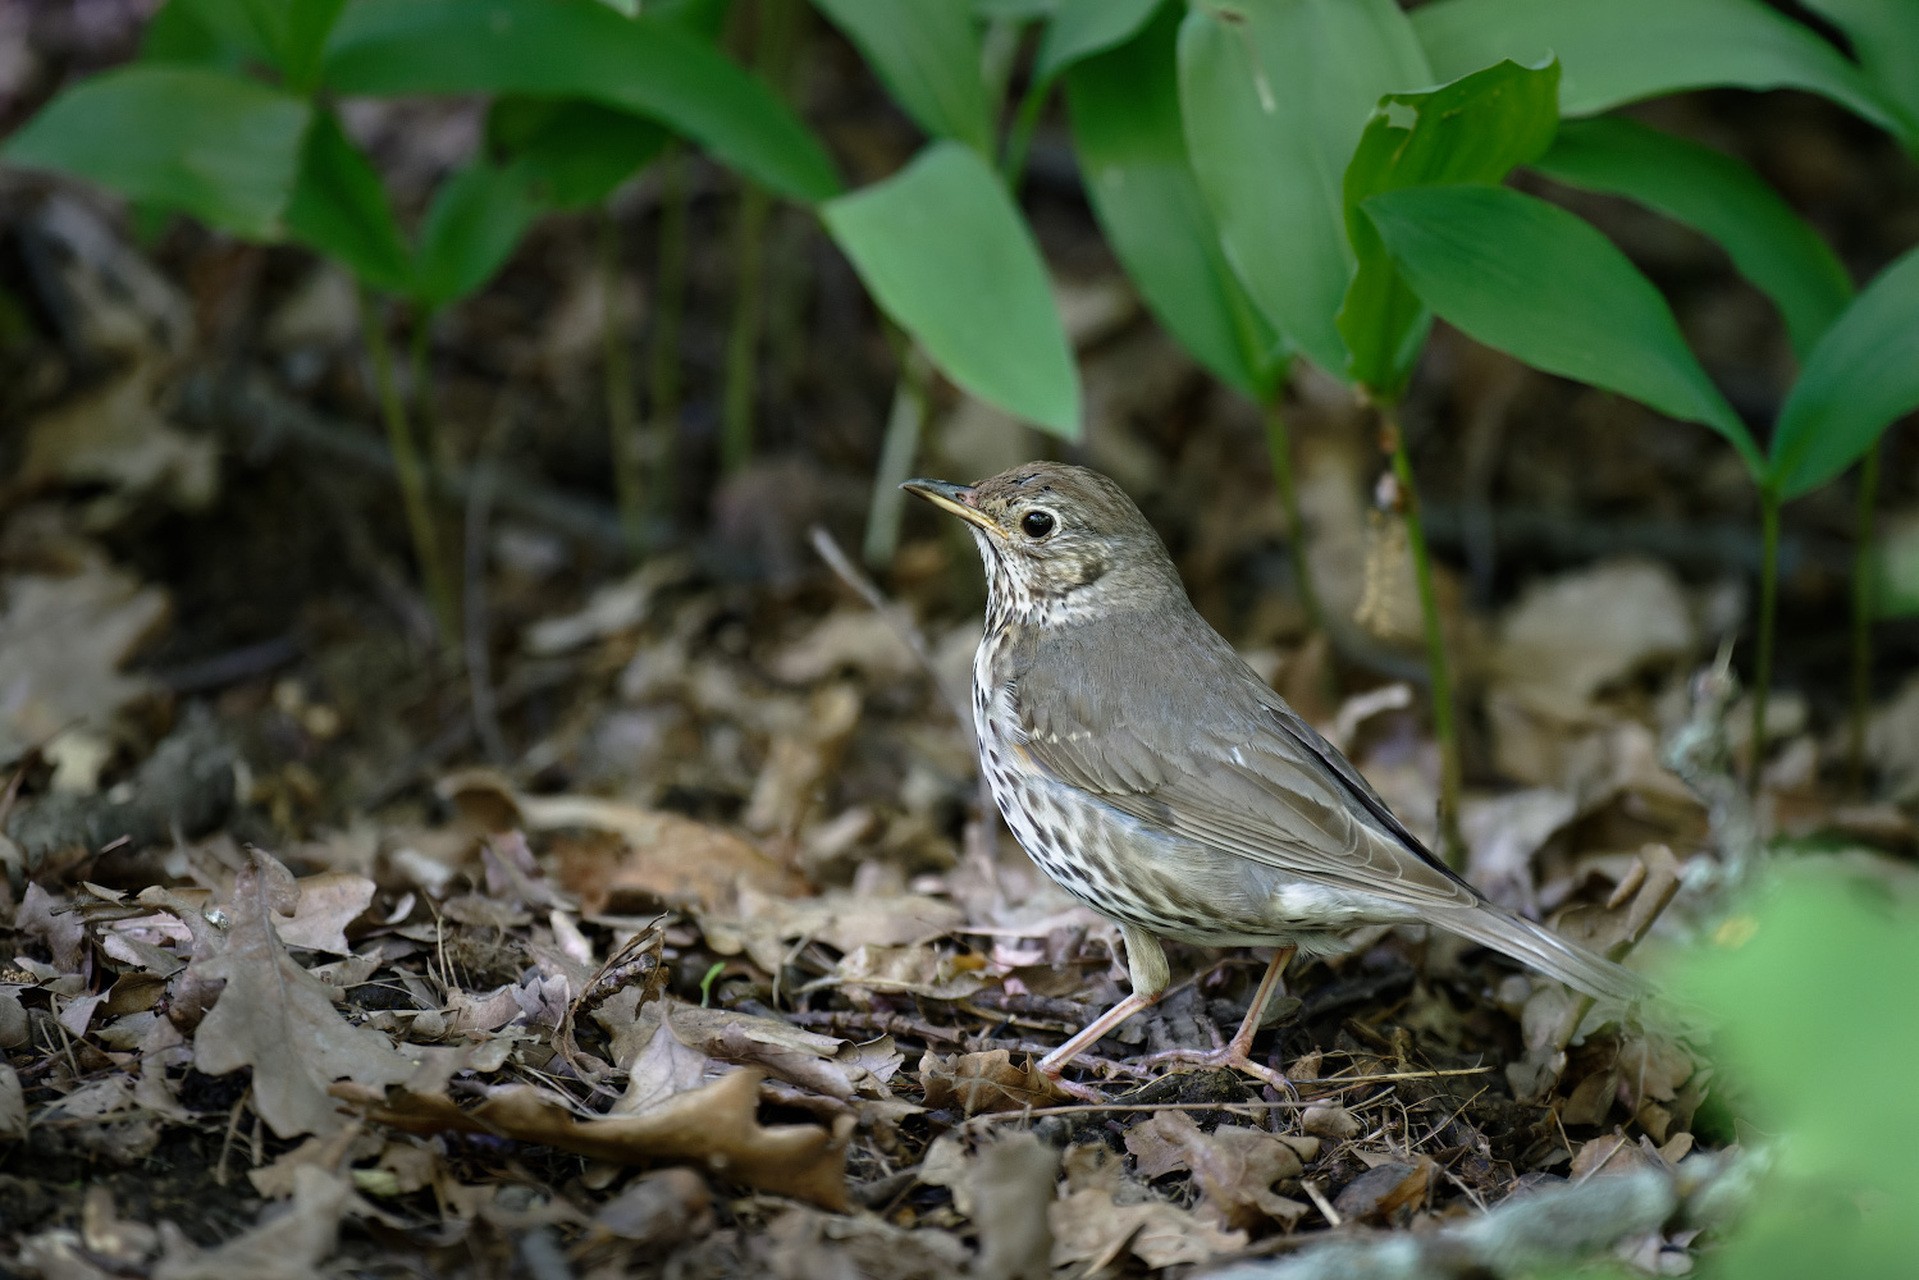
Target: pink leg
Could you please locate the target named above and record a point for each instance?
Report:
(1238, 1052)
(1055, 1062)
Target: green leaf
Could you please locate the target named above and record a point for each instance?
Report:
(1861, 378)
(1885, 37)
(580, 49)
(340, 208)
(295, 33)
(1476, 129)
(945, 253)
(1275, 95)
(212, 145)
(1720, 198)
(203, 33)
(1623, 50)
(1082, 28)
(472, 227)
(928, 57)
(1532, 280)
(1124, 107)
(574, 152)
(1772, 984)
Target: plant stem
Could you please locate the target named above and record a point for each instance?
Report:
(1768, 608)
(1393, 440)
(772, 52)
(1019, 138)
(622, 416)
(904, 423)
(1279, 444)
(433, 447)
(669, 303)
(412, 478)
(1862, 610)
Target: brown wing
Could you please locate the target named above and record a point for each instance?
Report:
(1247, 775)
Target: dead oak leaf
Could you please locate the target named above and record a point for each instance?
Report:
(989, 1081)
(62, 643)
(822, 1063)
(328, 903)
(277, 1018)
(1105, 1214)
(1233, 1167)
(626, 853)
(716, 1126)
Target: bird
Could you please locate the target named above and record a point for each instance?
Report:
(1155, 777)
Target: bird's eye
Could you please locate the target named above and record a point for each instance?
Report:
(1037, 524)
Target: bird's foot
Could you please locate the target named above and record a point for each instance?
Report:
(1077, 1091)
(1233, 1057)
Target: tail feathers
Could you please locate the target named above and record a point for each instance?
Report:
(1552, 955)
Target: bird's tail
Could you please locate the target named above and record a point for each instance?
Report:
(1546, 951)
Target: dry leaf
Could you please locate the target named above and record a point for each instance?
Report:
(113, 436)
(825, 1064)
(278, 1019)
(329, 902)
(62, 642)
(768, 924)
(663, 1069)
(1386, 1189)
(1233, 1167)
(1104, 1214)
(653, 856)
(1010, 1187)
(289, 1244)
(13, 1106)
(804, 1244)
(1569, 637)
(976, 1082)
(716, 1125)
(658, 1210)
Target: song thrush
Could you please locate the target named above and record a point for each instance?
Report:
(1155, 777)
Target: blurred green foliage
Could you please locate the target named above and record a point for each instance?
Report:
(1813, 983)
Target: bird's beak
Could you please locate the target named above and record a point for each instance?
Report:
(956, 498)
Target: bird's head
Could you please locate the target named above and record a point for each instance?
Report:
(1058, 540)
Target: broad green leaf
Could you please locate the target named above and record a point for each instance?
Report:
(573, 152)
(1615, 51)
(287, 35)
(928, 56)
(945, 253)
(706, 17)
(472, 227)
(1771, 982)
(1534, 281)
(580, 49)
(1124, 106)
(1275, 95)
(1013, 10)
(1476, 129)
(295, 32)
(1082, 28)
(213, 145)
(1720, 198)
(204, 33)
(339, 207)
(1861, 378)
(1885, 37)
